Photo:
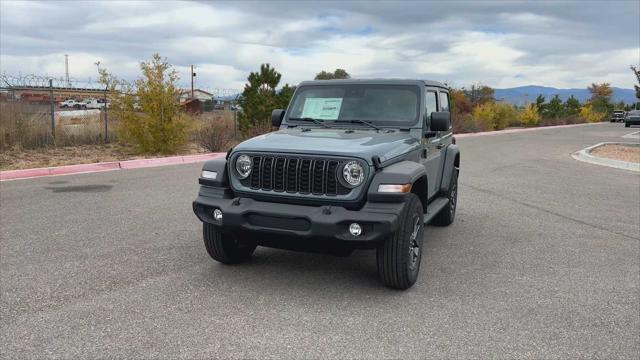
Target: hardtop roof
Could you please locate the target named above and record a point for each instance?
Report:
(375, 81)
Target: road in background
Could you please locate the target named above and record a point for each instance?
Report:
(542, 261)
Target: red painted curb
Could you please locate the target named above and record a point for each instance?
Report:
(142, 163)
(171, 160)
(106, 166)
(74, 169)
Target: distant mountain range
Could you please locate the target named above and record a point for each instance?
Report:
(523, 94)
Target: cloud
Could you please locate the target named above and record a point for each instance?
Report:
(498, 43)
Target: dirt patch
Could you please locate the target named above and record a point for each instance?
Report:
(628, 153)
(15, 159)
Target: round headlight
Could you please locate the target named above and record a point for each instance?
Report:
(353, 173)
(243, 166)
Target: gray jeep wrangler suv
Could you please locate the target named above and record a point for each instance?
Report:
(354, 164)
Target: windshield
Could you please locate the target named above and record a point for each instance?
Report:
(379, 104)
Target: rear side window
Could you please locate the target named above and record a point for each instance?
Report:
(444, 101)
(430, 103)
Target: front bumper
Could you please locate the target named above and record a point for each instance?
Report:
(245, 215)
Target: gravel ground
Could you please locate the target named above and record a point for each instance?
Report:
(543, 262)
(618, 152)
(15, 159)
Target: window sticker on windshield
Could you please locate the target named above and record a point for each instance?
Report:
(322, 108)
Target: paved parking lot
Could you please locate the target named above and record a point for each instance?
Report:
(542, 262)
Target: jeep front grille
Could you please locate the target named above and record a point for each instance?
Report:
(295, 175)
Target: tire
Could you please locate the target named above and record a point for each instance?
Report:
(627, 125)
(226, 248)
(398, 257)
(447, 215)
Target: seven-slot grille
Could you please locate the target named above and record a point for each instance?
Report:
(295, 175)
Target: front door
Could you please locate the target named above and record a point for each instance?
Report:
(430, 141)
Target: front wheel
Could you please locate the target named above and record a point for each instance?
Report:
(627, 125)
(399, 257)
(226, 248)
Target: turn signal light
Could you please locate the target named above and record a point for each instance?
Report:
(394, 188)
(212, 175)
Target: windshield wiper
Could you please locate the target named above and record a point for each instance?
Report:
(308, 119)
(358, 121)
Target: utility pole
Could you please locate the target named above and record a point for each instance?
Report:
(193, 75)
(66, 69)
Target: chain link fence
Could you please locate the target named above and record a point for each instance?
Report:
(40, 111)
(40, 117)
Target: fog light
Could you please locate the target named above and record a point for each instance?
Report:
(355, 229)
(217, 214)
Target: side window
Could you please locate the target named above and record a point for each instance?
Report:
(444, 101)
(430, 104)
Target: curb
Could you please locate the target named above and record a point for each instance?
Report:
(172, 160)
(585, 156)
(633, 135)
(512, 131)
(105, 166)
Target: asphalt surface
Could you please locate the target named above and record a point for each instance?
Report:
(542, 262)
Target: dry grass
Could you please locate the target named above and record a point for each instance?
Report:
(628, 153)
(28, 125)
(214, 131)
(16, 158)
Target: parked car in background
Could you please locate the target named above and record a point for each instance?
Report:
(70, 103)
(632, 118)
(618, 116)
(95, 104)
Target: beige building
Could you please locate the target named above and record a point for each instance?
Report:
(197, 94)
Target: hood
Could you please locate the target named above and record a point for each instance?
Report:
(337, 142)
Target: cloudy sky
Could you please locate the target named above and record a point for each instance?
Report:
(501, 44)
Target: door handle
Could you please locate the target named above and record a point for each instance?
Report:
(440, 146)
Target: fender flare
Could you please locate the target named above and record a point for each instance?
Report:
(451, 161)
(403, 172)
(218, 165)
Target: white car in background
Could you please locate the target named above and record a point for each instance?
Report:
(95, 104)
(70, 103)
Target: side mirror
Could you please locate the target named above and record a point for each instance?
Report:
(440, 121)
(276, 117)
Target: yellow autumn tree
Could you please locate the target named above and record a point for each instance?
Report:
(590, 114)
(529, 116)
(159, 126)
(494, 116)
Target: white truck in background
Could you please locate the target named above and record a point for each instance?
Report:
(95, 104)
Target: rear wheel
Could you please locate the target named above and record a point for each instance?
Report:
(399, 257)
(226, 248)
(448, 213)
(627, 124)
